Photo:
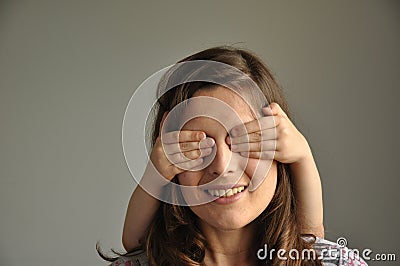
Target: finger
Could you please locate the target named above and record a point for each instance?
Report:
(207, 143)
(267, 134)
(182, 136)
(264, 155)
(262, 123)
(275, 109)
(180, 147)
(188, 146)
(189, 155)
(268, 145)
(267, 111)
(189, 164)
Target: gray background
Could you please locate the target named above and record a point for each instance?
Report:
(69, 68)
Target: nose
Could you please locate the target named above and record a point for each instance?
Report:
(223, 163)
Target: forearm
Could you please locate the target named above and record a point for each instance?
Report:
(141, 209)
(140, 212)
(308, 194)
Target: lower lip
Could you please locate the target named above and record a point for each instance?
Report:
(229, 200)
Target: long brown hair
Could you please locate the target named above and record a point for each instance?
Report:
(174, 237)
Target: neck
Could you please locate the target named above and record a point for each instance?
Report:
(230, 247)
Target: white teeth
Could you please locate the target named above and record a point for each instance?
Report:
(225, 193)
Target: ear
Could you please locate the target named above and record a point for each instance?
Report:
(162, 121)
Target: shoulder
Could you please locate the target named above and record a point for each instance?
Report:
(136, 258)
(333, 254)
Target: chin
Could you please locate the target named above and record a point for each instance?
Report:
(222, 220)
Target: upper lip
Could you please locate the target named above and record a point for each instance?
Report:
(224, 187)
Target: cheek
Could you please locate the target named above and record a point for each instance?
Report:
(189, 178)
(263, 176)
(251, 167)
(263, 194)
(263, 167)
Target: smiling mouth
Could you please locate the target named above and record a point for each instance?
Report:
(225, 193)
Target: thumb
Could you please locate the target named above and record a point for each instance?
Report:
(269, 110)
(274, 109)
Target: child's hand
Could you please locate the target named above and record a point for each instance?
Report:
(278, 134)
(179, 151)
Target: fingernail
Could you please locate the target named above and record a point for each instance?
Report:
(233, 147)
(210, 142)
(202, 135)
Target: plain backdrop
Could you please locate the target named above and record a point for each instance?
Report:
(69, 68)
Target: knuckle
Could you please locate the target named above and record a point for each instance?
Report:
(192, 154)
(184, 145)
(196, 135)
(259, 145)
(185, 155)
(255, 154)
(180, 135)
(285, 131)
(258, 125)
(254, 137)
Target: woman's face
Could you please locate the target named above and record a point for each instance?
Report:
(230, 170)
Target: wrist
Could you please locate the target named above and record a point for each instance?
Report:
(305, 158)
(153, 181)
